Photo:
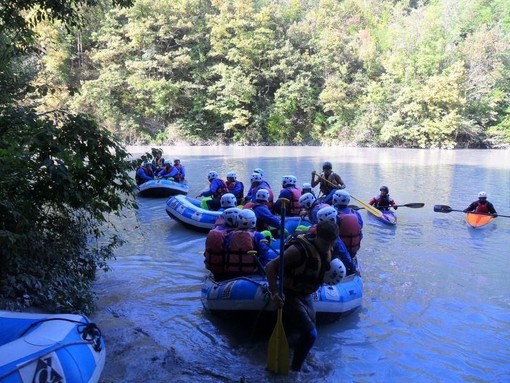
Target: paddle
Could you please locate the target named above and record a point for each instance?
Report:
(370, 208)
(448, 209)
(415, 205)
(278, 348)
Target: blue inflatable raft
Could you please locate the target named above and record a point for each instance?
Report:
(49, 348)
(187, 211)
(161, 188)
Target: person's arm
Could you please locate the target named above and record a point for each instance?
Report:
(491, 208)
(315, 180)
(341, 184)
(393, 203)
(471, 207)
(372, 201)
(268, 217)
(341, 252)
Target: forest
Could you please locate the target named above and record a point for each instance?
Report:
(415, 74)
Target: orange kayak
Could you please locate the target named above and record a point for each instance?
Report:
(478, 220)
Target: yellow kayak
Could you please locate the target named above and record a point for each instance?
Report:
(478, 220)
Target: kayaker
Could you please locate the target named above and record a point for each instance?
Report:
(305, 262)
(383, 201)
(482, 205)
(350, 223)
(217, 187)
(181, 171)
(235, 187)
(328, 181)
(144, 173)
(290, 192)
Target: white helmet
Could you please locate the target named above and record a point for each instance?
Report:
(256, 177)
(262, 195)
(482, 194)
(327, 213)
(247, 219)
(306, 200)
(306, 185)
(259, 171)
(289, 181)
(335, 273)
(230, 216)
(212, 175)
(341, 198)
(228, 200)
(232, 175)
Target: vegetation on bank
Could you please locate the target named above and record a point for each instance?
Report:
(424, 74)
(61, 175)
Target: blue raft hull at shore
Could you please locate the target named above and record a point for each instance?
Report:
(49, 348)
(188, 212)
(162, 188)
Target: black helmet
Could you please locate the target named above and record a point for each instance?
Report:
(327, 165)
(384, 188)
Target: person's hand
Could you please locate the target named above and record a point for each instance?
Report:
(494, 215)
(314, 172)
(465, 210)
(278, 301)
(395, 207)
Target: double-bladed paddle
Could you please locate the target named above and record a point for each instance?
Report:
(414, 205)
(278, 348)
(370, 208)
(448, 209)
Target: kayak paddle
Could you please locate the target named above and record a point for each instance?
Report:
(370, 208)
(414, 205)
(448, 209)
(278, 348)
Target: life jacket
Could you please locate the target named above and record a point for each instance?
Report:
(308, 275)
(222, 189)
(326, 187)
(482, 208)
(178, 176)
(294, 209)
(238, 261)
(215, 251)
(249, 205)
(350, 231)
(383, 202)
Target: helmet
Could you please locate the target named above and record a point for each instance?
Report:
(482, 194)
(327, 164)
(262, 195)
(327, 213)
(176, 160)
(228, 200)
(212, 175)
(384, 188)
(247, 219)
(232, 175)
(341, 198)
(259, 171)
(256, 177)
(231, 215)
(306, 200)
(167, 162)
(289, 181)
(335, 273)
(306, 186)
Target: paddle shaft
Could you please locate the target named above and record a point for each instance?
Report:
(473, 212)
(415, 205)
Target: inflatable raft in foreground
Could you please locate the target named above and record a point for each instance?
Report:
(251, 293)
(49, 348)
(187, 211)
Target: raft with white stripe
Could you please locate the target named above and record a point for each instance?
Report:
(162, 188)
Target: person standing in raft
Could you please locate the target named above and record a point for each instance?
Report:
(482, 205)
(305, 263)
(328, 181)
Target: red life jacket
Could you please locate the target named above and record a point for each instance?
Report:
(215, 251)
(238, 261)
(223, 189)
(482, 208)
(350, 232)
(295, 209)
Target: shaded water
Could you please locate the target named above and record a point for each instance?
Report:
(436, 303)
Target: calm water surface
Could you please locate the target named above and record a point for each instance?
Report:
(436, 302)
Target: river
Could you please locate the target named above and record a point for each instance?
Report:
(436, 304)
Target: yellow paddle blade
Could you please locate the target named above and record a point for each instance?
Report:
(368, 207)
(278, 349)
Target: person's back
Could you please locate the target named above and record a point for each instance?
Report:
(350, 223)
(144, 173)
(265, 218)
(289, 192)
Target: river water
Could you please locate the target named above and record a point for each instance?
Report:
(436, 303)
